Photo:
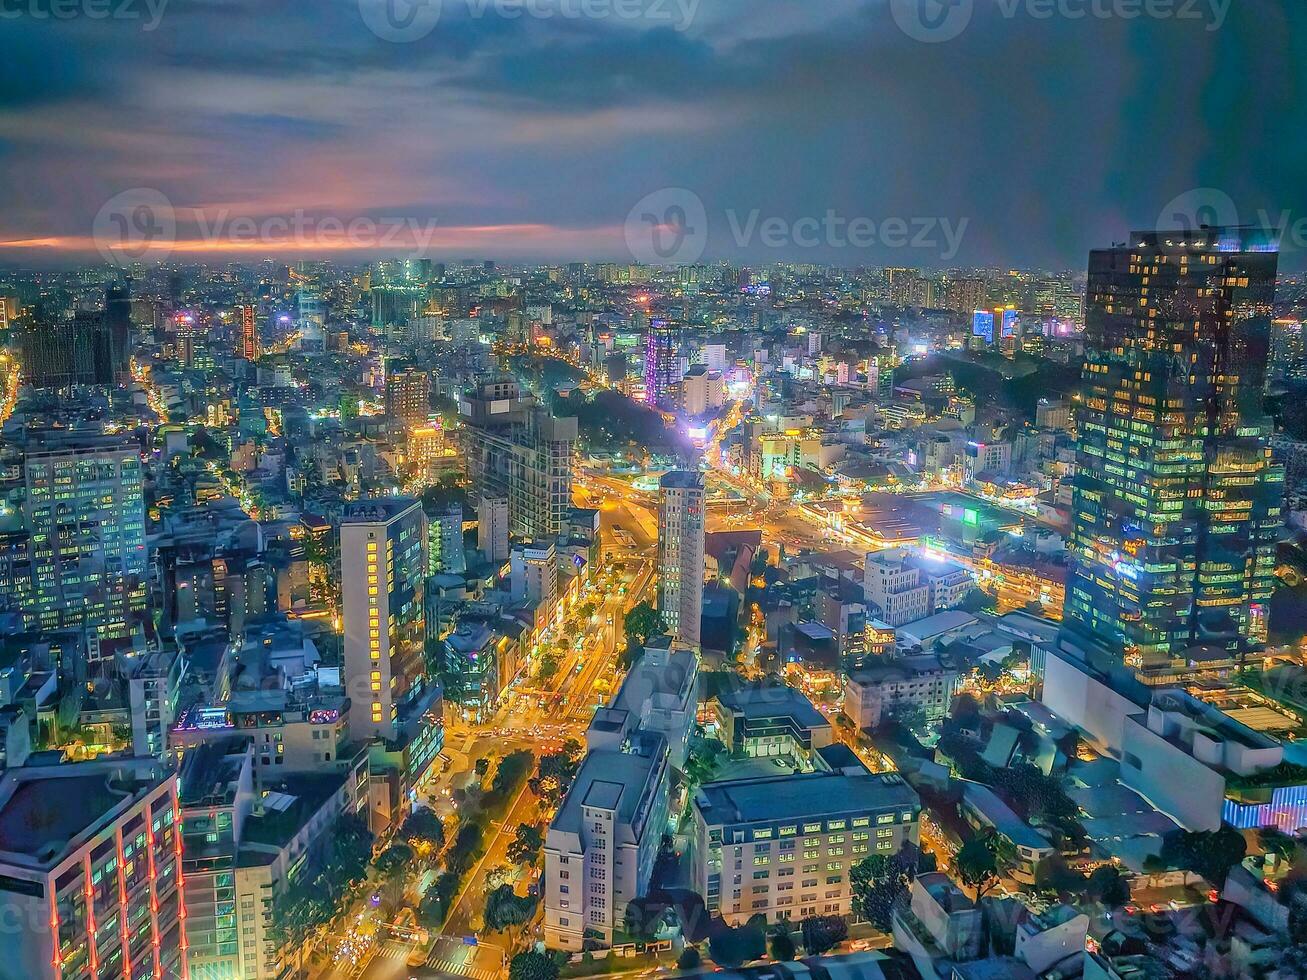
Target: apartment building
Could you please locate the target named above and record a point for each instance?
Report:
(89, 871)
(883, 687)
(905, 587)
(782, 846)
(601, 847)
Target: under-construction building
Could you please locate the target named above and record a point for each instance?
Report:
(518, 451)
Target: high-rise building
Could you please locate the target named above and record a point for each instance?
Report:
(534, 573)
(660, 363)
(408, 395)
(89, 863)
(85, 516)
(518, 451)
(383, 568)
(88, 348)
(492, 528)
(445, 541)
(680, 552)
(249, 334)
(1176, 503)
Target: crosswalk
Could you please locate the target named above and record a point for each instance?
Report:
(458, 960)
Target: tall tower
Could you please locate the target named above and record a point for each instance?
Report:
(660, 363)
(84, 513)
(1176, 504)
(680, 552)
(383, 568)
(249, 335)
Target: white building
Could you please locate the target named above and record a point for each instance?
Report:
(782, 846)
(492, 528)
(702, 390)
(680, 553)
(908, 587)
(882, 688)
(895, 587)
(534, 574)
(1189, 759)
(445, 541)
(383, 570)
(601, 847)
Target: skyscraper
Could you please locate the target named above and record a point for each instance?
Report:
(408, 395)
(383, 568)
(1176, 503)
(445, 541)
(249, 334)
(517, 450)
(660, 363)
(680, 552)
(85, 516)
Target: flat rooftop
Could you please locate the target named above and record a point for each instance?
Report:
(757, 701)
(44, 809)
(801, 796)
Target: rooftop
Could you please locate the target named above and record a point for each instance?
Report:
(44, 809)
(801, 795)
(758, 701)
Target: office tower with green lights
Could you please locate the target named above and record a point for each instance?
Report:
(1176, 506)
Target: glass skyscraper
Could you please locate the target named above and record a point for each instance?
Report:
(1176, 503)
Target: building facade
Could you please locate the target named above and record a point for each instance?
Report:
(1176, 502)
(516, 450)
(782, 846)
(681, 505)
(93, 889)
(383, 569)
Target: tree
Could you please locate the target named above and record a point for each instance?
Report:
(464, 850)
(1210, 853)
(644, 918)
(555, 772)
(732, 947)
(505, 909)
(394, 860)
(1272, 840)
(424, 832)
(782, 946)
(1108, 886)
(689, 959)
(481, 767)
(878, 882)
(823, 932)
(976, 863)
(532, 966)
(640, 624)
(526, 844)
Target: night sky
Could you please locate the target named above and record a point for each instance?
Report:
(526, 137)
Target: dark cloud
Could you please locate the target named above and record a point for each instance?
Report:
(1046, 136)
